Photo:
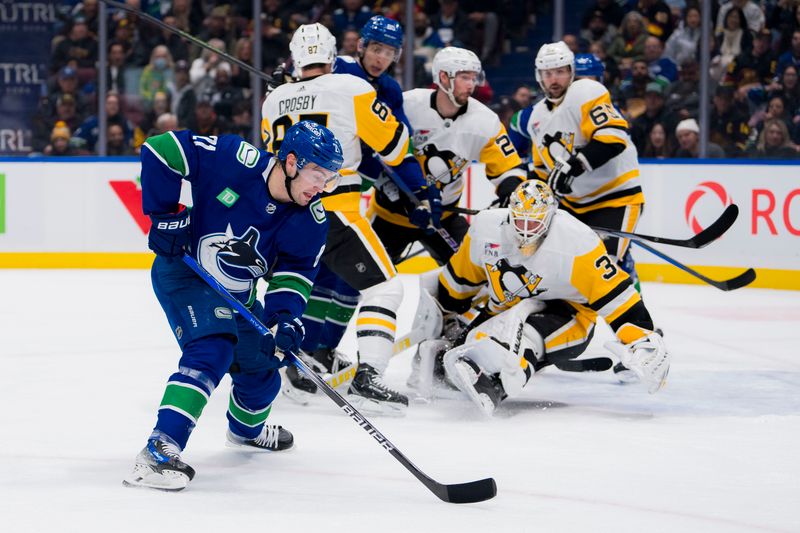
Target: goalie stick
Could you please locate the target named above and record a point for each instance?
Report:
(470, 492)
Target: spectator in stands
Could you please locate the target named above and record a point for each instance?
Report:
(116, 143)
(351, 16)
(792, 55)
(274, 37)
(659, 144)
(485, 25)
(728, 127)
(522, 97)
(683, 96)
(123, 34)
(116, 67)
(79, 48)
(223, 94)
(67, 83)
(349, 42)
(688, 134)
(657, 16)
(187, 17)
(628, 45)
(452, 24)
(786, 86)
(685, 40)
(610, 10)
(185, 99)
(653, 113)
(67, 112)
(732, 40)
(611, 75)
(242, 120)
(157, 76)
(177, 46)
(426, 40)
(87, 133)
(204, 68)
(206, 121)
(774, 142)
(60, 141)
(776, 110)
(164, 123)
(633, 88)
(662, 69)
(87, 10)
(754, 68)
(572, 42)
(752, 15)
(243, 50)
(597, 29)
(784, 20)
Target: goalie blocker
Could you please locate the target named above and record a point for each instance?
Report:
(548, 278)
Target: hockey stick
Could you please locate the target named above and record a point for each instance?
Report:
(191, 38)
(461, 210)
(737, 282)
(451, 242)
(471, 492)
(708, 235)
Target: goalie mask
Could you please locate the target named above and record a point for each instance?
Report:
(531, 208)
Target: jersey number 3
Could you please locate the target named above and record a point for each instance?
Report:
(606, 264)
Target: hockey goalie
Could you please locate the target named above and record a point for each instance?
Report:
(548, 278)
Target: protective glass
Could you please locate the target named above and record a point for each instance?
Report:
(313, 174)
(384, 50)
(467, 76)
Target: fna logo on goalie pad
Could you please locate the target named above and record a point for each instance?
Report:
(227, 256)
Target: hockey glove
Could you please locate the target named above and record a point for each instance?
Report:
(504, 190)
(435, 200)
(647, 357)
(289, 333)
(420, 214)
(169, 234)
(278, 76)
(560, 178)
(270, 359)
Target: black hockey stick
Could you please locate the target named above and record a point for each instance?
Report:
(471, 492)
(191, 38)
(708, 235)
(737, 282)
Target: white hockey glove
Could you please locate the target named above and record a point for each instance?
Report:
(647, 357)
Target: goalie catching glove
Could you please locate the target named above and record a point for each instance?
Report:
(647, 357)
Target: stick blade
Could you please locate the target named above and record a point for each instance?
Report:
(472, 492)
(742, 280)
(717, 229)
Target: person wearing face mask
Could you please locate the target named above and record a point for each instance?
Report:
(249, 207)
(158, 75)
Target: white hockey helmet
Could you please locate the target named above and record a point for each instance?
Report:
(531, 209)
(554, 55)
(452, 60)
(312, 44)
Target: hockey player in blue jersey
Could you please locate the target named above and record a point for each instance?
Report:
(249, 207)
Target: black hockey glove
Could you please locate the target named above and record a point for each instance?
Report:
(504, 190)
(169, 234)
(560, 178)
(289, 333)
(279, 77)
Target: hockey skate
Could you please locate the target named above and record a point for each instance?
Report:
(159, 466)
(624, 374)
(370, 394)
(271, 439)
(331, 364)
(484, 390)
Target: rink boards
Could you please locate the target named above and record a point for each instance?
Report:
(86, 213)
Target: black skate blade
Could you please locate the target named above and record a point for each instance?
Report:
(472, 492)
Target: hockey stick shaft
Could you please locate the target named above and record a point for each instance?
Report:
(397, 180)
(708, 235)
(737, 282)
(471, 492)
(191, 38)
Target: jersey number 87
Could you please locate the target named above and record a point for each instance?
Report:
(280, 126)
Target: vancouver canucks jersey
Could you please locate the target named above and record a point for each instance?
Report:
(571, 264)
(348, 106)
(585, 114)
(239, 232)
(445, 146)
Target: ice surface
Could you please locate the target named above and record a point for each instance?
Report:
(85, 355)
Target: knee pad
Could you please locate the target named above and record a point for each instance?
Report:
(388, 295)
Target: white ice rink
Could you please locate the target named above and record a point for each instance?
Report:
(85, 355)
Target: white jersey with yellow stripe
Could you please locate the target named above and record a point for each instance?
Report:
(586, 114)
(571, 264)
(348, 106)
(445, 146)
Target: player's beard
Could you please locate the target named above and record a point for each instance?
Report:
(555, 95)
(462, 99)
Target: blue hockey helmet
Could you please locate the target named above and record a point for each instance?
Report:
(588, 65)
(312, 143)
(383, 30)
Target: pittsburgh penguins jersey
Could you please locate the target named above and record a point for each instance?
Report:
(238, 231)
(445, 146)
(386, 87)
(571, 264)
(562, 130)
(348, 106)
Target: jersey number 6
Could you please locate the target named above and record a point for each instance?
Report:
(602, 113)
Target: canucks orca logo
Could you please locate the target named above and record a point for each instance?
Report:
(510, 284)
(442, 166)
(233, 260)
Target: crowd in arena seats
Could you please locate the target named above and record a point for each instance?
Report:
(157, 81)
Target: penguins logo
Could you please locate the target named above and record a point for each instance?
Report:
(510, 284)
(440, 165)
(560, 145)
(228, 257)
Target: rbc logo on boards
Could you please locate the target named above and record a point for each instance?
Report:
(710, 188)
